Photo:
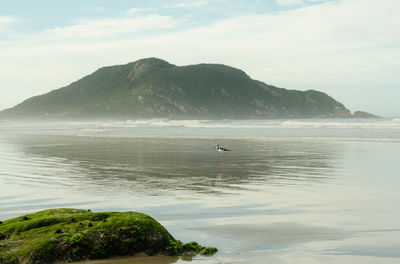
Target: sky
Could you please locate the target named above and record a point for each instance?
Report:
(349, 49)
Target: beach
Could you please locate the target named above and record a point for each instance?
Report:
(303, 191)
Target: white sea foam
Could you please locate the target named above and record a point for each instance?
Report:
(317, 129)
(308, 123)
(361, 124)
(260, 138)
(92, 130)
(195, 123)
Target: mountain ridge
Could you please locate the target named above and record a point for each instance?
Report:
(154, 88)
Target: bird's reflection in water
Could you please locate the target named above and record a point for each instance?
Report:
(164, 164)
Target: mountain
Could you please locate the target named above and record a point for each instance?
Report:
(153, 88)
(362, 114)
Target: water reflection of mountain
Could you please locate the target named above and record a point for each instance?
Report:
(159, 165)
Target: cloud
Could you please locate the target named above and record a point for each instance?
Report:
(187, 4)
(297, 2)
(343, 48)
(290, 2)
(6, 21)
(112, 27)
(138, 10)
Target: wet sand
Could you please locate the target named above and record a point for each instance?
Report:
(274, 201)
(138, 259)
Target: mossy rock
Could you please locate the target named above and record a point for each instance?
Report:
(191, 248)
(73, 234)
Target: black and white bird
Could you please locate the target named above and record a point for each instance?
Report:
(221, 149)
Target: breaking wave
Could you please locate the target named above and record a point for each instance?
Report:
(308, 123)
(327, 129)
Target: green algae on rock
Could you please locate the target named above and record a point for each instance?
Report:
(179, 248)
(75, 234)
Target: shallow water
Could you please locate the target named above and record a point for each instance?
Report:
(317, 192)
(139, 259)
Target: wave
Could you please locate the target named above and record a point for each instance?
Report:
(92, 130)
(100, 126)
(361, 124)
(320, 123)
(242, 137)
(387, 130)
(189, 124)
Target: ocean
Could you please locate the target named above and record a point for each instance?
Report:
(290, 191)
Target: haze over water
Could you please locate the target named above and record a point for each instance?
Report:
(291, 191)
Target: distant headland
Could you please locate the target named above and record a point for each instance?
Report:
(154, 88)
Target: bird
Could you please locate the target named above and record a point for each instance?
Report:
(221, 149)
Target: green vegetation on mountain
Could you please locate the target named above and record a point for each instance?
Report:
(73, 234)
(153, 88)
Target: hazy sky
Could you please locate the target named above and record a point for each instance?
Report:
(349, 49)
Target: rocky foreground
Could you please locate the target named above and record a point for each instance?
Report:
(75, 234)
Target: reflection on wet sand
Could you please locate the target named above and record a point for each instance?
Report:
(274, 201)
(281, 234)
(138, 259)
(152, 165)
